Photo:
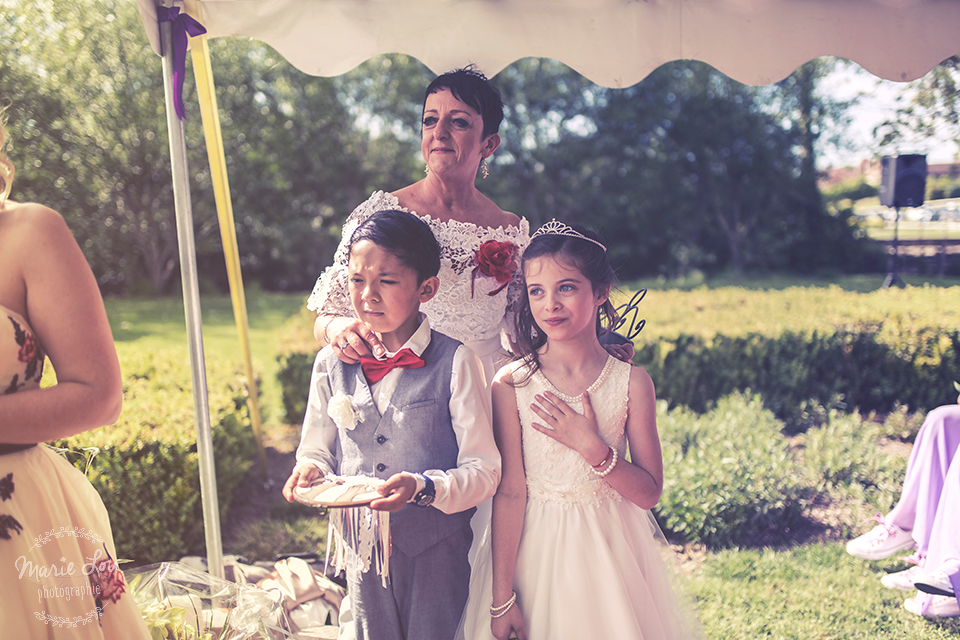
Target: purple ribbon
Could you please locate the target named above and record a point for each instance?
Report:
(182, 26)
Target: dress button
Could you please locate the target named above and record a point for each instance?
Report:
(381, 439)
(381, 467)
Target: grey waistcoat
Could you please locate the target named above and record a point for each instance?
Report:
(414, 434)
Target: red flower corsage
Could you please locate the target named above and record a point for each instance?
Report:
(497, 260)
(28, 350)
(106, 580)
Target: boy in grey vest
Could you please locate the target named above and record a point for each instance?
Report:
(418, 417)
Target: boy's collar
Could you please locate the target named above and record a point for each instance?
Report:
(420, 339)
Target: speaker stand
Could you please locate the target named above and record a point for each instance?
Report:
(893, 278)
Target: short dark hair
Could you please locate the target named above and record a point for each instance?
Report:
(405, 236)
(470, 86)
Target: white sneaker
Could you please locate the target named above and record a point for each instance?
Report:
(902, 580)
(940, 606)
(881, 542)
(937, 583)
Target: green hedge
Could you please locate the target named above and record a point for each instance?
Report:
(147, 469)
(296, 353)
(731, 478)
(728, 474)
(822, 344)
(872, 368)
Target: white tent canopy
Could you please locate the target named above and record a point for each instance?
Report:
(615, 43)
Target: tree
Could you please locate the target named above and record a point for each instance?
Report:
(819, 120)
(90, 139)
(932, 111)
(99, 154)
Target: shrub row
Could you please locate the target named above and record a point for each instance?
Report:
(297, 350)
(737, 312)
(822, 344)
(146, 467)
(731, 478)
(728, 473)
(872, 368)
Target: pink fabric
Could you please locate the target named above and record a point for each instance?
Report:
(927, 472)
(930, 502)
(944, 550)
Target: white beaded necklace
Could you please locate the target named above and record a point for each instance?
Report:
(593, 387)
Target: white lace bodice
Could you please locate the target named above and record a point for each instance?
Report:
(555, 472)
(453, 311)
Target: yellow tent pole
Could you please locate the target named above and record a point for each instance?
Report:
(203, 76)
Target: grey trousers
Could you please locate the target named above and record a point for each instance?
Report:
(424, 598)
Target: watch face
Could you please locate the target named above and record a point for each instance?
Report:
(427, 494)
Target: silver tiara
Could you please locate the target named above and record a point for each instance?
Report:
(557, 228)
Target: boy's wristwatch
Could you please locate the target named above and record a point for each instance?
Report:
(424, 497)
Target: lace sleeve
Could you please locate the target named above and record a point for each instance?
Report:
(330, 296)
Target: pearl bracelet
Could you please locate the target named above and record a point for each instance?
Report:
(499, 612)
(613, 463)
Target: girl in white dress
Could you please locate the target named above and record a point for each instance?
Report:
(574, 553)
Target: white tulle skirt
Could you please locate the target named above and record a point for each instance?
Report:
(586, 571)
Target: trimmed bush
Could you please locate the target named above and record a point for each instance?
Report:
(297, 350)
(729, 475)
(871, 367)
(822, 344)
(844, 461)
(147, 468)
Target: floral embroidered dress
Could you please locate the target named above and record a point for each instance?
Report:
(57, 557)
(589, 563)
(463, 308)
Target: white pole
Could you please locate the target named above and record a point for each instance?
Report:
(191, 306)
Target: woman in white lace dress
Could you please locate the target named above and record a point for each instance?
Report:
(462, 112)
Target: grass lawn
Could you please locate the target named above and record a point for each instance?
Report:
(915, 231)
(810, 591)
(807, 591)
(158, 323)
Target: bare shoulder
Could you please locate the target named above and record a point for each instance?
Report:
(494, 216)
(504, 376)
(26, 214)
(503, 387)
(31, 223)
(641, 385)
(407, 192)
(509, 219)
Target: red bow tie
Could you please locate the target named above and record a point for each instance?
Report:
(375, 369)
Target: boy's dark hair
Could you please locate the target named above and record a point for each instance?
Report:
(587, 258)
(470, 86)
(405, 236)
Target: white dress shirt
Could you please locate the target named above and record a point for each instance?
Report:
(477, 473)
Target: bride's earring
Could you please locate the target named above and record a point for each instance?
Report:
(483, 168)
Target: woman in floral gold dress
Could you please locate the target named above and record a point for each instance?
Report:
(57, 554)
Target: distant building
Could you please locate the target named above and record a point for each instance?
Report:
(871, 171)
(951, 170)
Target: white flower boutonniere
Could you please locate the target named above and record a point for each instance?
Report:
(343, 412)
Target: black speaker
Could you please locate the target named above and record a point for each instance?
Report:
(903, 181)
